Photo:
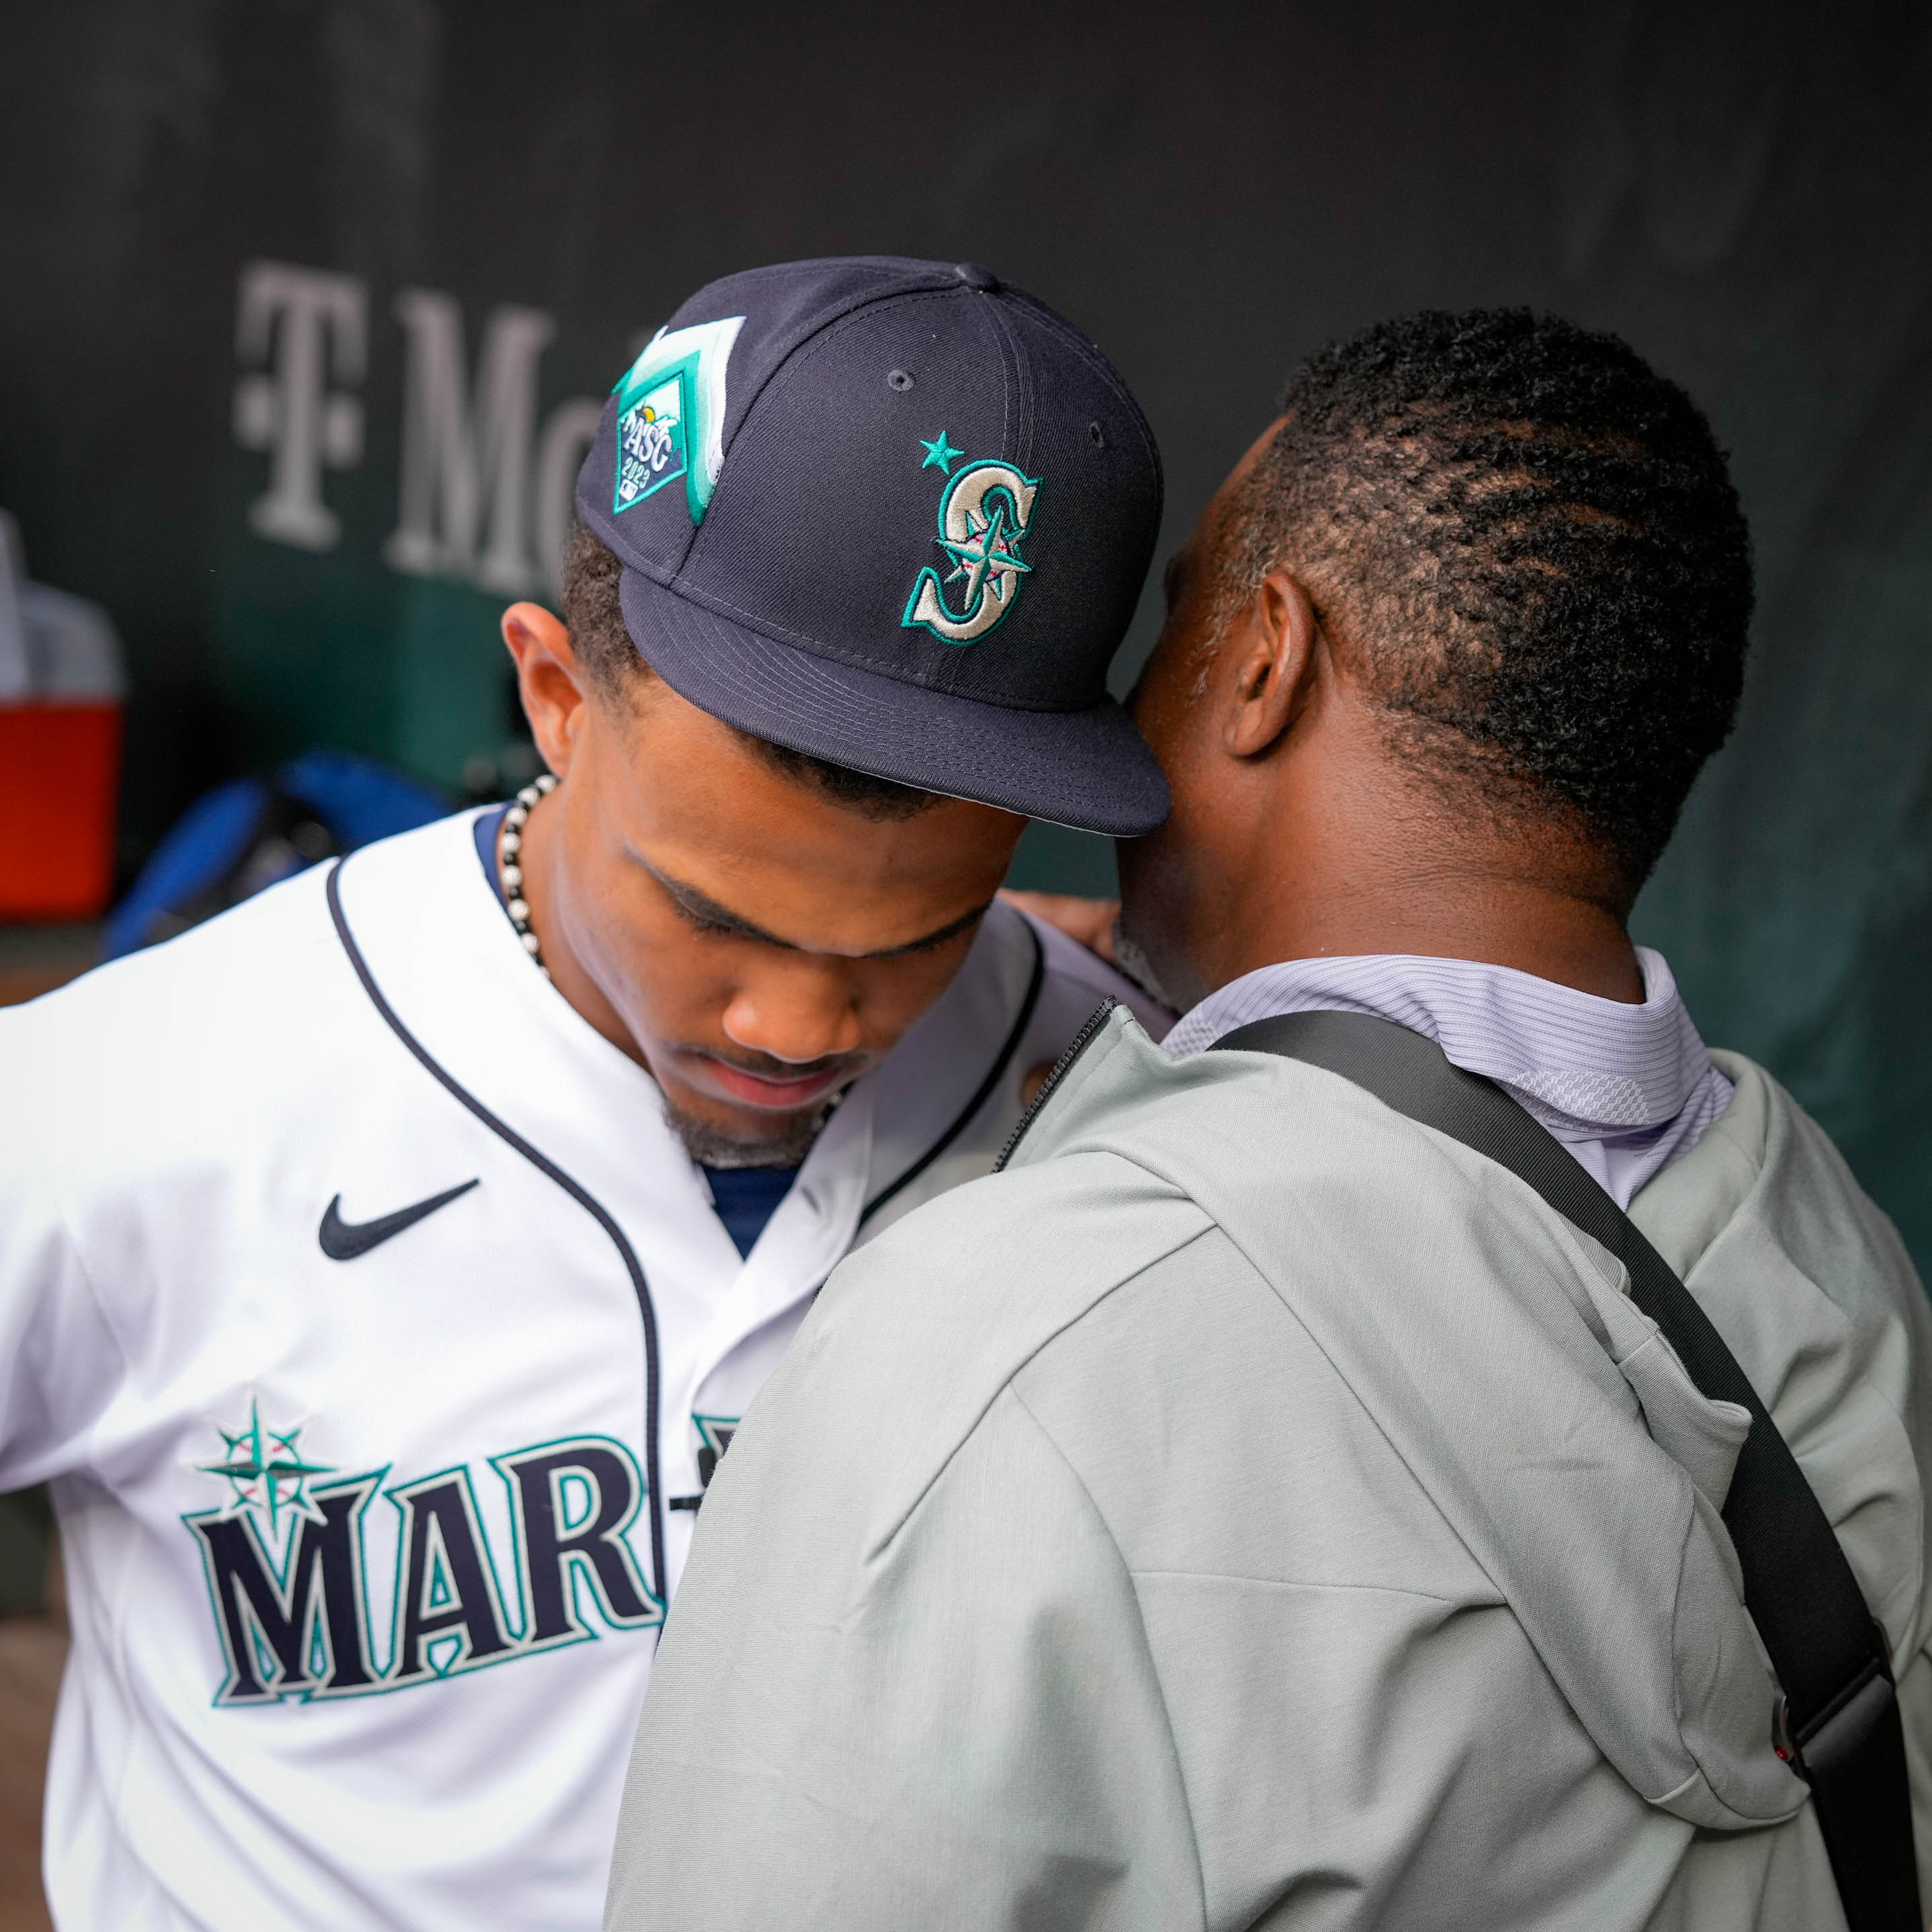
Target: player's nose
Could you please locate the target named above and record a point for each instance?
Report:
(797, 1016)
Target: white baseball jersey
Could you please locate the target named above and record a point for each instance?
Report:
(370, 1323)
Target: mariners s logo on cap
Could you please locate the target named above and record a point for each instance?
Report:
(670, 416)
(985, 511)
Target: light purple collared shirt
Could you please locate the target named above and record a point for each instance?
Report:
(1627, 1089)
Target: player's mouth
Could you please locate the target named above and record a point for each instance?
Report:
(774, 1087)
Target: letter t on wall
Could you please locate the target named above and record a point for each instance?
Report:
(317, 324)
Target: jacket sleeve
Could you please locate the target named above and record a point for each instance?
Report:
(59, 1363)
(952, 1721)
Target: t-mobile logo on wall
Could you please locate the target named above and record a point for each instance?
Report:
(485, 494)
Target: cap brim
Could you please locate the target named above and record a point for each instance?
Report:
(1089, 769)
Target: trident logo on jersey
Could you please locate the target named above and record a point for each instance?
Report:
(984, 514)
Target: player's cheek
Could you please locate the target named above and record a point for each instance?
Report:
(663, 984)
(893, 993)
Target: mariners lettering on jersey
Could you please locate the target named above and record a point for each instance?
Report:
(284, 1557)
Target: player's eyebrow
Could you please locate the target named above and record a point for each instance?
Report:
(702, 911)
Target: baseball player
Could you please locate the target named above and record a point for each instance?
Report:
(384, 1266)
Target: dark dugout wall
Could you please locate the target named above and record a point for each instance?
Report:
(308, 307)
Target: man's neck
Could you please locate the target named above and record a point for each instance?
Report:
(1377, 868)
(1508, 922)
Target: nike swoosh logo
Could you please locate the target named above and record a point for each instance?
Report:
(343, 1241)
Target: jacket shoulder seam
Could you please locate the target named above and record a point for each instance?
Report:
(1306, 1583)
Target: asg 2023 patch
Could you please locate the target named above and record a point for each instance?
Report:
(670, 416)
(650, 444)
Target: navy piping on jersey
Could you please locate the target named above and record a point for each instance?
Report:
(583, 1199)
(1001, 1060)
(488, 825)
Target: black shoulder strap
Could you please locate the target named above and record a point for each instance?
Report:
(1830, 1655)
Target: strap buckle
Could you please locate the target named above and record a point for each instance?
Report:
(1841, 1731)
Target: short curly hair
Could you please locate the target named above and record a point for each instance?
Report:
(604, 648)
(1528, 543)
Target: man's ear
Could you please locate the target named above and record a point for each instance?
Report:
(549, 679)
(1274, 645)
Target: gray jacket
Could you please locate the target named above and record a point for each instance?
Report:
(1255, 1508)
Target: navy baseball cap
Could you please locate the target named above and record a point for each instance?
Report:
(895, 514)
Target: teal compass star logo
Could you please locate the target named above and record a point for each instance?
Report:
(268, 1475)
(990, 555)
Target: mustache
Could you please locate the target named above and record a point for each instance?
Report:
(764, 1067)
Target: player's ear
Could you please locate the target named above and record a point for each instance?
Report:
(552, 682)
(1272, 645)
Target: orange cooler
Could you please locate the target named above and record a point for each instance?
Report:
(60, 767)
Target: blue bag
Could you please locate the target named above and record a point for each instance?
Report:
(252, 832)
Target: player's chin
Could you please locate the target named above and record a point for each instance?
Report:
(717, 1134)
(706, 1082)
